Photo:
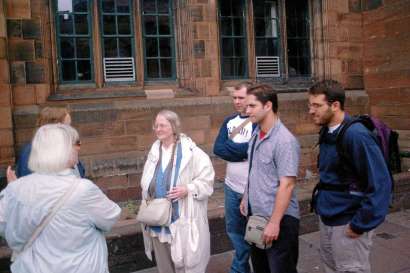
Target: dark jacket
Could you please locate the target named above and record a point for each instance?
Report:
(22, 168)
(364, 210)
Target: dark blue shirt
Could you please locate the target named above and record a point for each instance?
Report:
(363, 210)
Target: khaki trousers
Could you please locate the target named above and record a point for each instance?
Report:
(341, 254)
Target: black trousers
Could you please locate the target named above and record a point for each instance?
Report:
(282, 257)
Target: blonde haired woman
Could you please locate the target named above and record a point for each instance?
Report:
(177, 169)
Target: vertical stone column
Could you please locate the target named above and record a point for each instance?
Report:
(6, 124)
(197, 43)
(339, 44)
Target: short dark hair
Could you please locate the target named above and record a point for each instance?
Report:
(264, 93)
(332, 90)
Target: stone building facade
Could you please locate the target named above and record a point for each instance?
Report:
(115, 63)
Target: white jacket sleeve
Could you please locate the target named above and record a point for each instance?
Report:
(103, 212)
(201, 186)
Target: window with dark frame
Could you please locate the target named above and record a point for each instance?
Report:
(233, 43)
(158, 38)
(298, 38)
(74, 44)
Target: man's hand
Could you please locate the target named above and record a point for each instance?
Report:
(242, 208)
(11, 175)
(351, 234)
(271, 232)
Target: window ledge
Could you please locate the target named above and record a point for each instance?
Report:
(97, 95)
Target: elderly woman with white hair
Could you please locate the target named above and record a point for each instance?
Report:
(179, 171)
(53, 220)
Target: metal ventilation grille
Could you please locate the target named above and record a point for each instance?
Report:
(119, 69)
(267, 66)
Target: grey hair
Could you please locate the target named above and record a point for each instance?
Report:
(173, 119)
(52, 148)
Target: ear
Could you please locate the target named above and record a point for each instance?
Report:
(336, 105)
(268, 106)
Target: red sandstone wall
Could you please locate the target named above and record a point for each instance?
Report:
(386, 58)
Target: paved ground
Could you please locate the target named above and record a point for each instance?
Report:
(390, 254)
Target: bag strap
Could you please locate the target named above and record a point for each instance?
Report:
(60, 202)
(239, 128)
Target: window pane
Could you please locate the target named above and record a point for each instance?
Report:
(150, 23)
(240, 47)
(259, 27)
(80, 5)
(125, 47)
(67, 48)
(165, 47)
(228, 67)
(163, 6)
(237, 8)
(166, 68)
(225, 7)
(297, 21)
(226, 26)
(68, 70)
(123, 6)
(148, 6)
(66, 24)
(227, 47)
(151, 47)
(83, 48)
(164, 28)
(240, 66)
(110, 47)
(260, 47)
(272, 47)
(84, 70)
(238, 27)
(81, 24)
(259, 8)
(152, 68)
(124, 24)
(109, 24)
(108, 5)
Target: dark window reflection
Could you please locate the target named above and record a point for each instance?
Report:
(83, 48)
(123, 6)
(164, 28)
(81, 24)
(68, 70)
(163, 6)
(150, 23)
(84, 70)
(109, 24)
(148, 6)
(80, 5)
(152, 68)
(298, 22)
(125, 47)
(232, 29)
(110, 47)
(165, 47)
(66, 24)
(67, 48)
(124, 25)
(108, 5)
(166, 68)
(151, 47)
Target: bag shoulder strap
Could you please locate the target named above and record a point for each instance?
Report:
(239, 128)
(46, 220)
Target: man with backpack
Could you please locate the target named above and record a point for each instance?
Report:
(352, 197)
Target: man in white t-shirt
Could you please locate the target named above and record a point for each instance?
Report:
(232, 146)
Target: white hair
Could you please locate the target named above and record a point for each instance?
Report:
(173, 119)
(52, 148)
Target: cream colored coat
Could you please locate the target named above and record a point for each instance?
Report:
(197, 173)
